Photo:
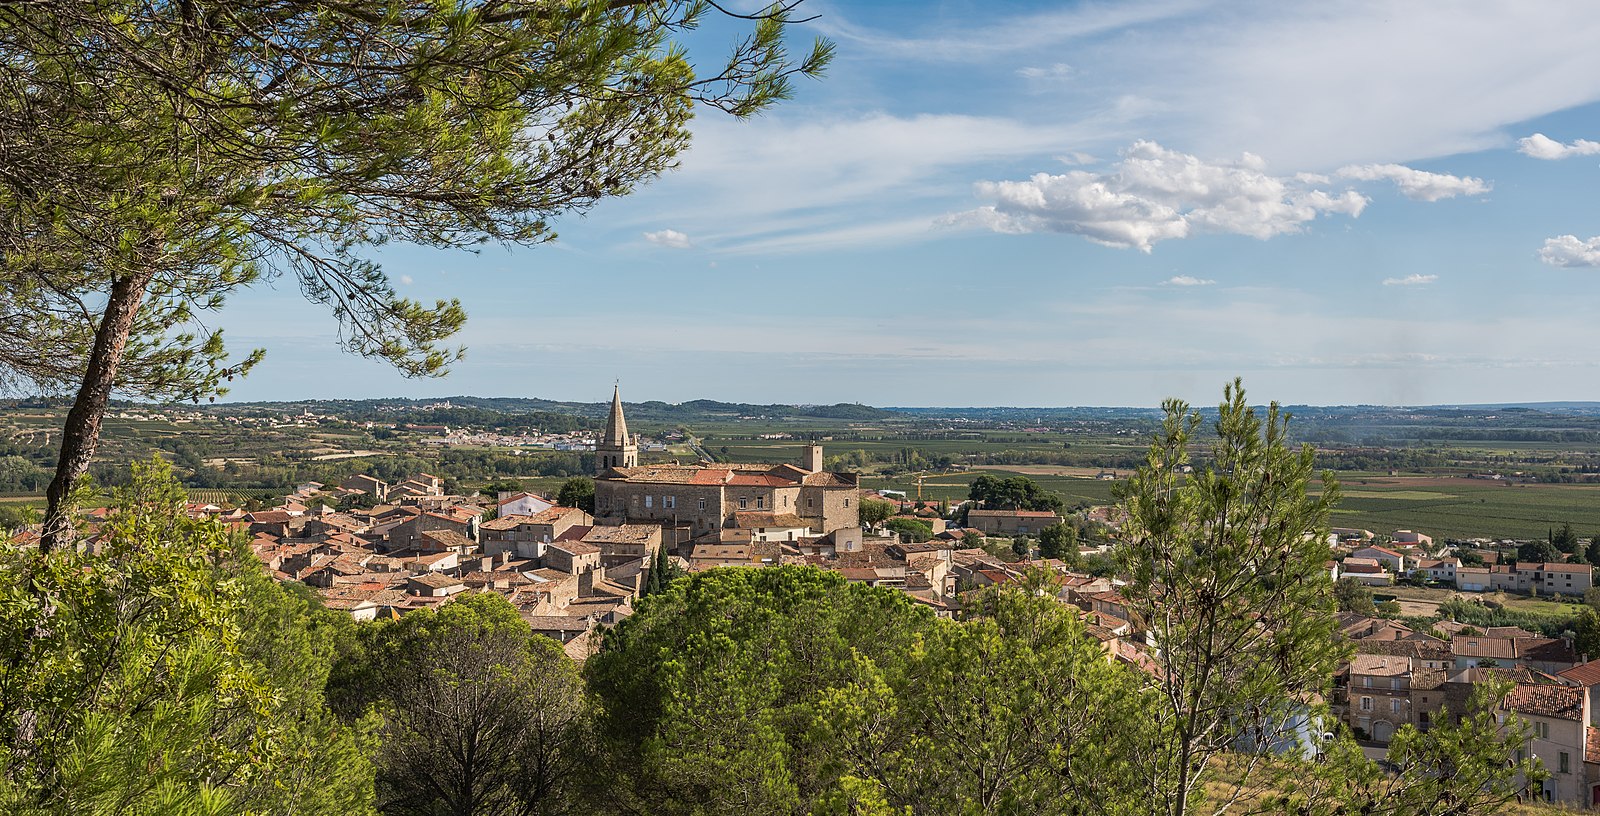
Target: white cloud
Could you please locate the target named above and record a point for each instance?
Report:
(1570, 250)
(405, 280)
(1155, 194)
(1186, 280)
(1541, 146)
(1042, 77)
(1341, 82)
(1418, 185)
(1411, 280)
(669, 238)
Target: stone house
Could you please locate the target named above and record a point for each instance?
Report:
(1012, 522)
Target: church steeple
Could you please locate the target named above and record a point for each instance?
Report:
(615, 449)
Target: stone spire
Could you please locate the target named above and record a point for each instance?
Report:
(616, 426)
(615, 449)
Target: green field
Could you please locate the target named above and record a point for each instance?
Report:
(1467, 508)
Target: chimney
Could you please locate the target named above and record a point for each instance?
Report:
(814, 458)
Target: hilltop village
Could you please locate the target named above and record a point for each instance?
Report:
(570, 572)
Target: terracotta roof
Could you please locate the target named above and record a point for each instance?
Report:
(1500, 648)
(1012, 513)
(509, 522)
(759, 480)
(1421, 650)
(436, 580)
(755, 520)
(623, 534)
(1554, 567)
(1559, 702)
(1380, 665)
(557, 623)
(1584, 674)
(450, 539)
(576, 547)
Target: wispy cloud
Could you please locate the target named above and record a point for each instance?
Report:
(1154, 194)
(405, 280)
(1418, 185)
(1411, 280)
(1187, 280)
(1570, 251)
(1540, 146)
(669, 238)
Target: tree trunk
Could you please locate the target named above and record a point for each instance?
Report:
(81, 433)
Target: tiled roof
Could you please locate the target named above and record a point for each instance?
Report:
(435, 580)
(1584, 674)
(1554, 567)
(1502, 648)
(1380, 665)
(576, 547)
(1420, 650)
(450, 539)
(757, 520)
(557, 623)
(1559, 702)
(1012, 513)
(623, 534)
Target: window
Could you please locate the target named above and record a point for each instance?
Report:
(1366, 703)
(1394, 706)
(744, 503)
(669, 502)
(761, 501)
(846, 502)
(647, 501)
(1541, 730)
(1394, 682)
(702, 504)
(1367, 682)
(1566, 762)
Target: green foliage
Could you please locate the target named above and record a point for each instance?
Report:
(479, 714)
(1059, 541)
(1353, 596)
(789, 690)
(1465, 765)
(1538, 551)
(912, 530)
(875, 511)
(17, 516)
(663, 571)
(1014, 493)
(1480, 615)
(711, 695)
(577, 492)
(1232, 554)
(168, 674)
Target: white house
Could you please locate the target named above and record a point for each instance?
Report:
(523, 504)
(1383, 555)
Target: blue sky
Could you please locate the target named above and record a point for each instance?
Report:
(1068, 204)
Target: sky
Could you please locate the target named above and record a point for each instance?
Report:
(1056, 204)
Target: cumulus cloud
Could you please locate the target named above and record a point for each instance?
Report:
(1186, 280)
(1541, 146)
(1570, 250)
(1155, 194)
(669, 238)
(1411, 280)
(1418, 185)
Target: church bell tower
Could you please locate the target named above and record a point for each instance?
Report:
(616, 448)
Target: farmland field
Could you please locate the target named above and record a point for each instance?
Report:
(1451, 507)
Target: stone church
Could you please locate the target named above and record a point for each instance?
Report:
(784, 502)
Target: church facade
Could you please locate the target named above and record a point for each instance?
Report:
(802, 500)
